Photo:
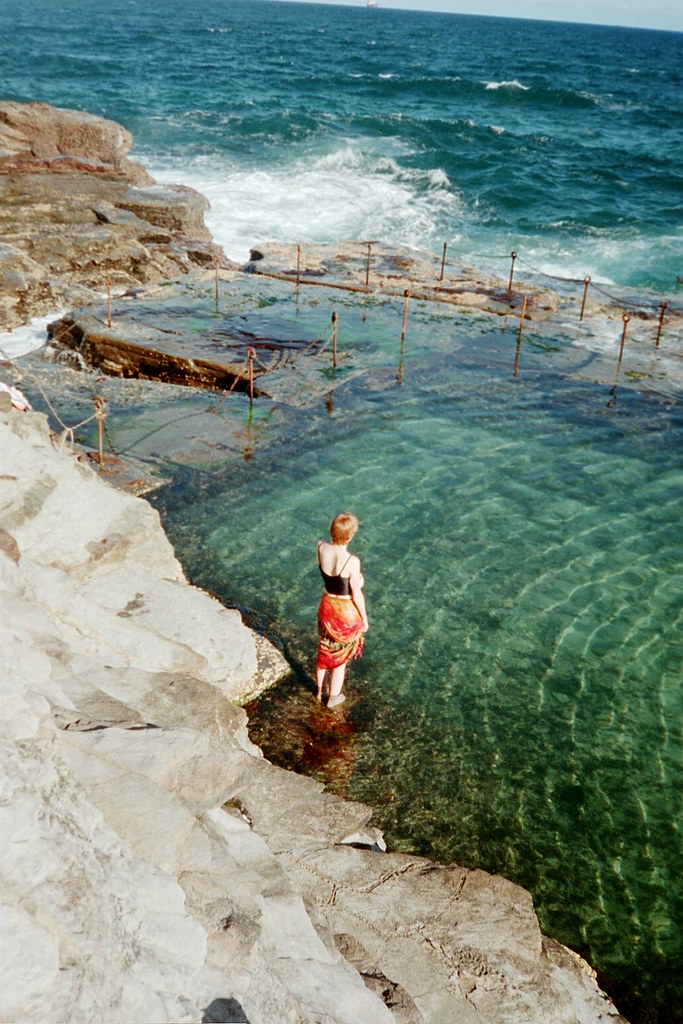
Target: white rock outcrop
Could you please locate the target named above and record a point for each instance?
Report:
(154, 866)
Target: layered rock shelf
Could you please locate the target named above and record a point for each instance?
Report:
(157, 355)
(75, 213)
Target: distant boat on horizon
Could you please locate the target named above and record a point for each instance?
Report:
(372, 3)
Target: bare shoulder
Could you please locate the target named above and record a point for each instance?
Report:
(354, 565)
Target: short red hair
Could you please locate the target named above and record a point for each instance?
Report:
(343, 528)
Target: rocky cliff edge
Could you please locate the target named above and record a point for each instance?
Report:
(78, 216)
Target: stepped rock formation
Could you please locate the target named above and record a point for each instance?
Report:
(155, 867)
(75, 213)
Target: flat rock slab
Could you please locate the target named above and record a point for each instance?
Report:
(376, 268)
(180, 336)
(148, 353)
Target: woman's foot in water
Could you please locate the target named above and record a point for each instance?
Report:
(322, 687)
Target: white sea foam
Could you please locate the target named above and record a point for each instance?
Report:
(352, 191)
(573, 253)
(514, 84)
(362, 188)
(438, 178)
(28, 338)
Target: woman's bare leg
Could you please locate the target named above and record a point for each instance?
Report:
(320, 674)
(336, 683)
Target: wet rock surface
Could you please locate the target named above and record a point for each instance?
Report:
(373, 267)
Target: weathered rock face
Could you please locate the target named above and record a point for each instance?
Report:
(36, 135)
(154, 867)
(75, 213)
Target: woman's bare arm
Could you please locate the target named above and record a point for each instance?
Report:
(356, 582)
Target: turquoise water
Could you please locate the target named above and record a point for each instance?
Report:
(519, 704)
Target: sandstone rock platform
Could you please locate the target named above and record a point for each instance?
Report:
(76, 213)
(155, 867)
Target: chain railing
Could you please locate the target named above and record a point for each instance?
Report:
(254, 367)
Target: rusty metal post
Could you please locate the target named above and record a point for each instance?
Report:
(626, 319)
(334, 340)
(521, 317)
(99, 412)
(251, 353)
(108, 302)
(406, 300)
(515, 368)
(298, 265)
(586, 282)
(443, 260)
(513, 257)
(367, 265)
(663, 307)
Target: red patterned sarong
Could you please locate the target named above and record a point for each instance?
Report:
(340, 631)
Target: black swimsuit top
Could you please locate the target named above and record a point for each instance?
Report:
(338, 586)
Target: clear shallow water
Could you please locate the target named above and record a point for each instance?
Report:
(519, 705)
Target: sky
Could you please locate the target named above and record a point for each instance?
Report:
(663, 14)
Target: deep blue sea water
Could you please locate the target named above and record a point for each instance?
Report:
(519, 707)
(563, 142)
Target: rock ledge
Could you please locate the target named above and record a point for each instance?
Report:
(77, 214)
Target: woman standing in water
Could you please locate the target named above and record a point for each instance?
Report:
(342, 619)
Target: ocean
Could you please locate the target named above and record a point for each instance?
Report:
(320, 123)
(519, 707)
